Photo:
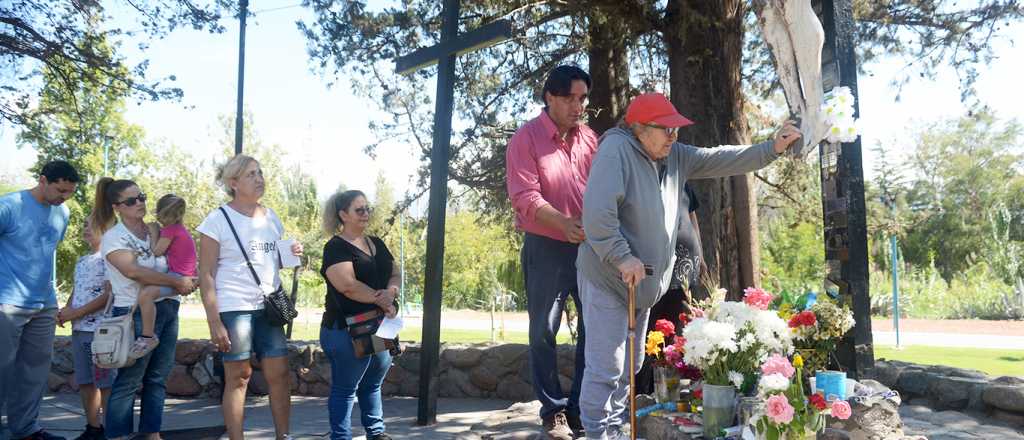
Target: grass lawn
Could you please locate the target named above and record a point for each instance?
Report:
(198, 329)
(992, 361)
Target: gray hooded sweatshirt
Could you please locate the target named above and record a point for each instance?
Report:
(632, 206)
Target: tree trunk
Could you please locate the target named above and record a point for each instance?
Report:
(705, 50)
(609, 70)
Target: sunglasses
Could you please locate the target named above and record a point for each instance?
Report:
(669, 131)
(132, 200)
(366, 210)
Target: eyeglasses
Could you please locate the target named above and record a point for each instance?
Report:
(366, 210)
(669, 131)
(132, 200)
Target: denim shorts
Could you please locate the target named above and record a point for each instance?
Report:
(250, 332)
(87, 373)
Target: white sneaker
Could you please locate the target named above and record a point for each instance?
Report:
(142, 346)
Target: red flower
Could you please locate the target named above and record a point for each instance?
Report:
(698, 393)
(803, 319)
(809, 318)
(683, 319)
(666, 328)
(818, 401)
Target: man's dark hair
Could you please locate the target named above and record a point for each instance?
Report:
(58, 170)
(559, 81)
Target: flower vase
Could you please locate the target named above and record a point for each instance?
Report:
(666, 385)
(748, 409)
(719, 408)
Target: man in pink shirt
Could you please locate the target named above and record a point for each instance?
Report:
(548, 164)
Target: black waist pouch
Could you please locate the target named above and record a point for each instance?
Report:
(361, 327)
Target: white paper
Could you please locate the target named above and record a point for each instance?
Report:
(284, 249)
(389, 327)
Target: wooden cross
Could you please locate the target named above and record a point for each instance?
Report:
(452, 45)
(842, 195)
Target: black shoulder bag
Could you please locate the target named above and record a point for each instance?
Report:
(277, 308)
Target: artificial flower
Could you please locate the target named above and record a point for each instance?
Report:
(736, 378)
(771, 383)
(757, 298)
(818, 401)
(841, 410)
(777, 364)
(778, 409)
(665, 327)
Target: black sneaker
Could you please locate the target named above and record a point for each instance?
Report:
(575, 424)
(381, 436)
(43, 435)
(92, 433)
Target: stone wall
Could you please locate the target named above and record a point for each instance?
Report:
(480, 370)
(502, 371)
(947, 388)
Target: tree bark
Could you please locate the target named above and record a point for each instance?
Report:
(609, 70)
(704, 40)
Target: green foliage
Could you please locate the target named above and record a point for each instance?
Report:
(792, 257)
(69, 39)
(977, 293)
(969, 169)
(75, 120)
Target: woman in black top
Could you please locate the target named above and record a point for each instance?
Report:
(362, 281)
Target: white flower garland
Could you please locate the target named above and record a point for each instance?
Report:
(838, 110)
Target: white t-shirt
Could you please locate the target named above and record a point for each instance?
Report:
(236, 288)
(126, 290)
(89, 280)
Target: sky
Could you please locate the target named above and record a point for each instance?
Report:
(325, 129)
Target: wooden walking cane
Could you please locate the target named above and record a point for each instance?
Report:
(631, 300)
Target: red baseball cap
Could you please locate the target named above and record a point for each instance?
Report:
(654, 108)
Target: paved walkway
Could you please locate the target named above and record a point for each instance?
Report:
(62, 415)
(459, 419)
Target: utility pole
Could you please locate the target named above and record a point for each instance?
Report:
(889, 200)
(243, 11)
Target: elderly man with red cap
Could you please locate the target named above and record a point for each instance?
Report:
(632, 215)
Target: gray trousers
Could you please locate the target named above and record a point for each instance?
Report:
(26, 336)
(604, 398)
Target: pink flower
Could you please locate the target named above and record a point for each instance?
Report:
(778, 364)
(779, 410)
(841, 410)
(757, 298)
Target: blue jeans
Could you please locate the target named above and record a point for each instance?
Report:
(149, 372)
(549, 268)
(353, 378)
(26, 336)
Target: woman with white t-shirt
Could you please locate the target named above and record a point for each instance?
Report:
(234, 299)
(130, 264)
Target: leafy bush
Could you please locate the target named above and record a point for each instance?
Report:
(976, 293)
